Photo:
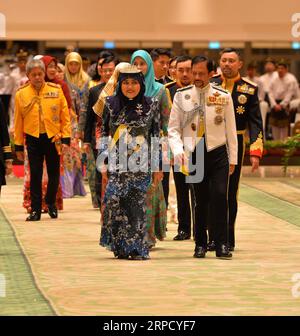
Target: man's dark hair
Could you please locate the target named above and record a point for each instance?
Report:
(270, 60)
(209, 63)
(173, 59)
(105, 54)
(155, 53)
(283, 63)
(251, 65)
(183, 58)
(229, 50)
(110, 59)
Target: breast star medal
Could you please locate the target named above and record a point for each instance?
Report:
(240, 109)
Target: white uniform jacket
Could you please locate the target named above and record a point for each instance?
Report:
(216, 107)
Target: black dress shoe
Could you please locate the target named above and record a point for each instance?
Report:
(52, 211)
(211, 246)
(199, 252)
(182, 236)
(34, 216)
(223, 252)
(231, 248)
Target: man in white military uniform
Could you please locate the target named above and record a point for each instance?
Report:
(202, 117)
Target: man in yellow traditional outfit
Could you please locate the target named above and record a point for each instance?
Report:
(42, 118)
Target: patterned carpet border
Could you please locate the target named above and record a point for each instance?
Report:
(270, 204)
(20, 293)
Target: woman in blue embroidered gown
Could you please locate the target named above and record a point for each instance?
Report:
(130, 119)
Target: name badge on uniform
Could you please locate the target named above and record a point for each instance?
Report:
(51, 94)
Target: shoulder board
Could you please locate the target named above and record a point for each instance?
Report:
(53, 84)
(23, 86)
(216, 76)
(184, 88)
(170, 84)
(217, 87)
(248, 81)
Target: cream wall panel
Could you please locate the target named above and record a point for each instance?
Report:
(138, 20)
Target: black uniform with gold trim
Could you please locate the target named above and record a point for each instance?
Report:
(172, 87)
(247, 115)
(5, 149)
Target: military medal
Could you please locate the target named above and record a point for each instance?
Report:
(211, 100)
(219, 109)
(55, 118)
(242, 88)
(54, 108)
(187, 97)
(240, 109)
(193, 126)
(242, 99)
(218, 120)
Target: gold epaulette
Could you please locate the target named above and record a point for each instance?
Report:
(248, 81)
(23, 86)
(53, 84)
(185, 88)
(6, 149)
(170, 84)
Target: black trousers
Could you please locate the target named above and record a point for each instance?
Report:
(234, 181)
(165, 185)
(211, 193)
(98, 180)
(183, 202)
(39, 149)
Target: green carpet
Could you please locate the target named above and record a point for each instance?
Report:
(19, 294)
(270, 204)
